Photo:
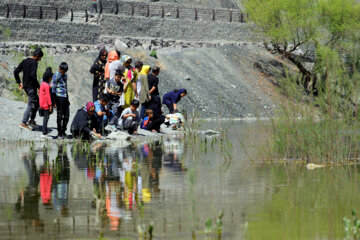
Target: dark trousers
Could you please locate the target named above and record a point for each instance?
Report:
(170, 106)
(33, 105)
(45, 121)
(95, 94)
(142, 110)
(155, 123)
(63, 113)
(94, 7)
(117, 110)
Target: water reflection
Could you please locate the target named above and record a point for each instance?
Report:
(27, 205)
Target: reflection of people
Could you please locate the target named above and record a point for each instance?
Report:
(45, 180)
(61, 181)
(28, 201)
(172, 154)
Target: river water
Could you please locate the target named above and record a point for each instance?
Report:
(76, 191)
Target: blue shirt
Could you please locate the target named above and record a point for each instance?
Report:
(59, 85)
(99, 107)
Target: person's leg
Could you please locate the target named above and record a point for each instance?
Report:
(142, 111)
(66, 116)
(30, 93)
(34, 106)
(59, 111)
(95, 91)
(156, 123)
(170, 107)
(127, 122)
(45, 121)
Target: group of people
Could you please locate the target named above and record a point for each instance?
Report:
(119, 89)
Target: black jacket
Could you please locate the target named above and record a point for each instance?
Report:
(98, 69)
(29, 68)
(84, 123)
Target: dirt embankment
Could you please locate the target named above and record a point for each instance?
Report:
(223, 82)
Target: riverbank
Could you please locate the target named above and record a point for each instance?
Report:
(11, 113)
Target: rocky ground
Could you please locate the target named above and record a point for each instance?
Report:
(11, 113)
(228, 81)
(224, 81)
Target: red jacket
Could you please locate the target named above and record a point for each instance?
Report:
(45, 96)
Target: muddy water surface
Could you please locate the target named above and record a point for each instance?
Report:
(76, 191)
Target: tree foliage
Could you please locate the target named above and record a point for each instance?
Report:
(324, 27)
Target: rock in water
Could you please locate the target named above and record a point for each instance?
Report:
(210, 132)
(312, 166)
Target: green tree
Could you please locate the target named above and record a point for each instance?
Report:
(310, 24)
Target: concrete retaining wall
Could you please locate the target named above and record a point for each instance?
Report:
(50, 31)
(123, 26)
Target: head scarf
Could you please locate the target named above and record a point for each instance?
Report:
(145, 69)
(125, 58)
(101, 53)
(113, 56)
(130, 74)
(88, 106)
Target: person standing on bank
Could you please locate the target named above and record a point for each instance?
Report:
(60, 90)
(153, 82)
(144, 93)
(171, 99)
(30, 85)
(98, 70)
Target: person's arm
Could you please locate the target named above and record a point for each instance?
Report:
(99, 111)
(108, 90)
(33, 76)
(174, 106)
(95, 69)
(17, 71)
(54, 84)
(135, 89)
(48, 97)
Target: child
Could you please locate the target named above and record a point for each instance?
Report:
(114, 89)
(59, 89)
(102, 112)
(45, 100)
(85, 123)
(130, 117)
(171, 99)
(150, 123)
(175, 120)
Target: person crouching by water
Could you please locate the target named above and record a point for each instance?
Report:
(171, 99)
(46, 106)
(60, 90)
(114, 89)
(151, 123)
(85, 123)
(102, 111)
(130, 118)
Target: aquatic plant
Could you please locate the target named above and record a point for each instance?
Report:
(325, 128)
(144, 230)
(352, 227)
(217, 228)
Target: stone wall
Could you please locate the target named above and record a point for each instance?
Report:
(45, 23)
(137, 27)
(130, 8)
(51, 31)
